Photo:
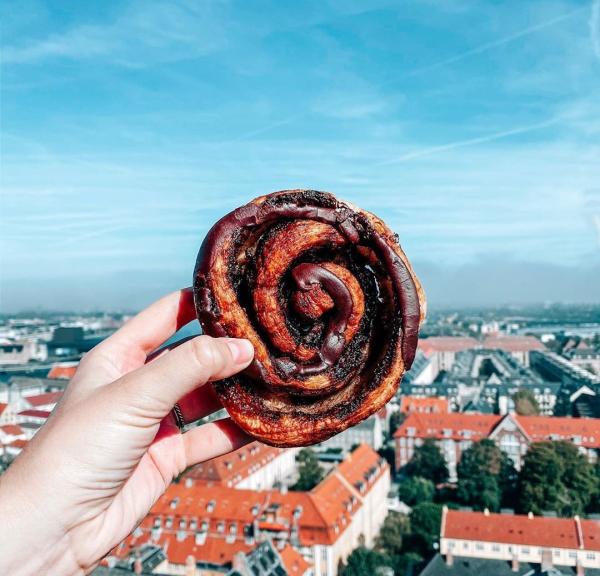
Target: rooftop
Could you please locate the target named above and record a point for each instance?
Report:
(429, 404)
(475, 426)
(571, 533)
(44, 399)
(513, 343)
(63, 370)
(230, 469)
(446, 344)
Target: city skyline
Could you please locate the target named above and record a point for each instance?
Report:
(129, 130)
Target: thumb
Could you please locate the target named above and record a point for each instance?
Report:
(157, 386)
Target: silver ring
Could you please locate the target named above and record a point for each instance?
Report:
(178, 417)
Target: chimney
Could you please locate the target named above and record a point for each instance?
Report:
(530, 515)
(486, 512)
(189, 482)
(190, 566)
(449, 558)
(514, 564)
(546, 560)
(283, 488)
(238, 564)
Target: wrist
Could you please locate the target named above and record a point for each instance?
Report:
(33, 543)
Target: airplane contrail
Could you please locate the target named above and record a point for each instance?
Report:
(499, 41)
(470, 142)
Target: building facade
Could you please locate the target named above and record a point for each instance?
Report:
(521, 539)
(455, 432)
(214, 523)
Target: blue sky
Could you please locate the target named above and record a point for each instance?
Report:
(129, 127)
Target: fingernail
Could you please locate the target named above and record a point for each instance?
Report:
(241, 350)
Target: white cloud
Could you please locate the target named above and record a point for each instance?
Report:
(147, 32)
(595, 27)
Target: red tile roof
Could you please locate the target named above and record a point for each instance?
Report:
(294, 563)
(513, 343)
(521, 530)
(230, 469)
(540, 428)
(64, 371)
(537, 428)
(427, 404)
(446, 344)
(321, 516)
(18, 443)
(35, 413)
(12, 429)
(2, 407)
(215, 550)
(45, 399)
(432, 425)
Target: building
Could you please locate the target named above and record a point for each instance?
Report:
(519, 347)
(521, 540)
(63, 370)
(586, 358)
(423, 370)
(427, 405)
(214, 523)
(254, 467)
(452, 391)
(559, 369)
(369, 431)
(455, 432)
(21, 352)
(441, 350)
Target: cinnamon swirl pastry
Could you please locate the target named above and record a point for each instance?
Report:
(327, 297)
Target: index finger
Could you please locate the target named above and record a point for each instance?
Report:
(129, 346)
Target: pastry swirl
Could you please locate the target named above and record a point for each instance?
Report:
(330, 303)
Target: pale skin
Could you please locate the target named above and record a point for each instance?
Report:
(111, 447)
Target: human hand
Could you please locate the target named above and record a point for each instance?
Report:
(111, 447)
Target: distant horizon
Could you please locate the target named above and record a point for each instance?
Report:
(129, 128)
(490, 283)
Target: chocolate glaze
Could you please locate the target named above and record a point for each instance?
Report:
(307, 275)
(341, 217)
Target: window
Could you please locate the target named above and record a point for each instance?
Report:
(324, 553)
(573, 555)
(496, 547)
(525, 550)
(479, 546)
(590, 556)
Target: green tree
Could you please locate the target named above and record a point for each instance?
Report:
(525, 403)
(425, 522)
(415, 489)
(578, 478)
(389, 454)
(555, 476)
(428, 462)
(486, 476)
(396, 420)
(594, 504)
(309, 469)
(362, 562)
(391, 536)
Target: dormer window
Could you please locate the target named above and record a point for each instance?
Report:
(210, 507)
(174, 503)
